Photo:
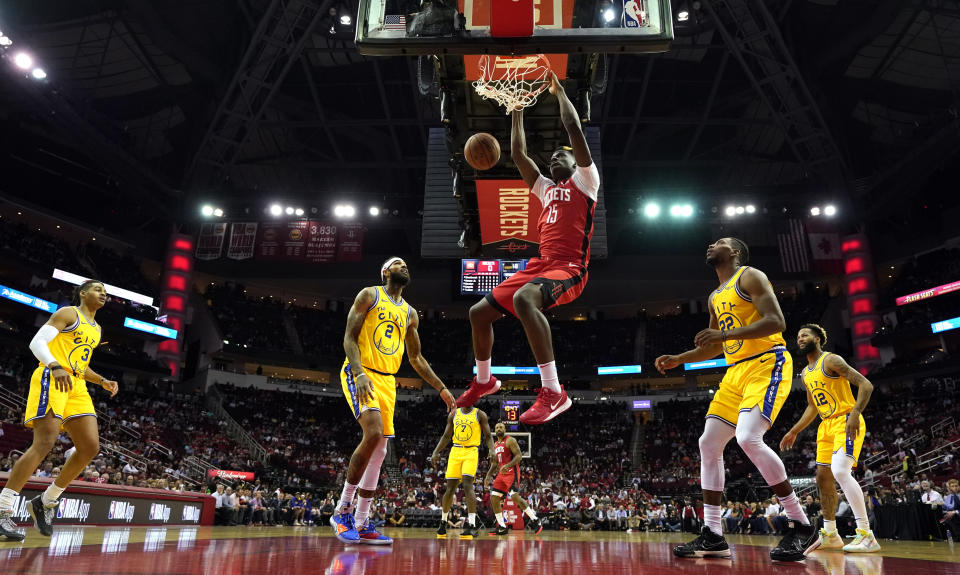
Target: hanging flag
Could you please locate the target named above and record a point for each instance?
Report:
(793, 248)
(210, 241)
(243, 236)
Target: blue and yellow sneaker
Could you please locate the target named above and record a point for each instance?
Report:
(370, 536)
(344, 528)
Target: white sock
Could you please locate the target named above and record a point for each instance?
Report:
(711, 518)
(500, 520)
(363, 510)
(829, 525)
(548, 376)
(346, 496)
(52, 494)
(531, 513)
(483, 370)
(791, 506)
(863, 524)
(7, 497)
(472, 519)
(443, 515)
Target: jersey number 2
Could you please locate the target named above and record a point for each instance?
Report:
(388, 333)
(552, 213)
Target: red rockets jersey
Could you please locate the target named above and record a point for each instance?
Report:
(566, 220)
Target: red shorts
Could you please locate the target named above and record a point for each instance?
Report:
(560, 283)
(504, 481)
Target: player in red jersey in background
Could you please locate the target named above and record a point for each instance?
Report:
(557, 276)
(507, 472)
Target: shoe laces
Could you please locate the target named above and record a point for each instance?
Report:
(861, 535)
(348, 520)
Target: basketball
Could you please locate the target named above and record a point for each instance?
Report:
(482, 151)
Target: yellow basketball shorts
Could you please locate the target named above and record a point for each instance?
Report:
(65, 405)
(384, 396)
(832, 437)
(462, 461)
(762, 381)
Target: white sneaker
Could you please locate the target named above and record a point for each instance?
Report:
(629, 530)
(830, 540)
(864, 542)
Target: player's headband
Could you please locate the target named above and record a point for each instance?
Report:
(388, 263)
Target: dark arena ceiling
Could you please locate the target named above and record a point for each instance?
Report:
(785, 99)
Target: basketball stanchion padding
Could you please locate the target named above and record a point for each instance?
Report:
(511, 18)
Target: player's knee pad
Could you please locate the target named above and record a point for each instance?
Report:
(371, 475)
(842, 467)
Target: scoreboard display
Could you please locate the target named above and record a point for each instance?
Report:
(510, 413)
(479, 277)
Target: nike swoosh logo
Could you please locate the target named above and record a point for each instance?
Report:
(572, 265)
(554, 406)
(764, 360)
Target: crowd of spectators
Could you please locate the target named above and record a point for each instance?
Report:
(249, 323)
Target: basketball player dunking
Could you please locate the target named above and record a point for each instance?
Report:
(557, 276)
(746, 324)
(59, 400)
(507, 471)
(379, 325)
(466, 428)
(827, 378)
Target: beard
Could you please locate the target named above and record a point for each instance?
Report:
(397, 278)
(808, 349)
(500, 435)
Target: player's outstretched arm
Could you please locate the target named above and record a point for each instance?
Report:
(571, 123)
(486, 435)
(420, 364)
(444, 441)
(755, 283)
(514, 448)
(518, 151)
(361, 305)
(836, 364)
(809, 414)
(699, 353)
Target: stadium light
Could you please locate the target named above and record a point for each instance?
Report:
(652, 210)
(23, 61)
(207, 211)
(218, 212)
(740, 210)
(345, 20)
(38, 74)
(4, 40)
(289, 210)
(349, 211)
(751, 209)
(299, 211)
(374, 211)
(609, 15)
(276, 210)
(731, 211)
(686, 211)
(815, 211)
(683, 16)
(830, 210)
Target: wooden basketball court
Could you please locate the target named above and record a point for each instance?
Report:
(190, 550)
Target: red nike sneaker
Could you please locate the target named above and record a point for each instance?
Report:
(549, 404)
(478, 390)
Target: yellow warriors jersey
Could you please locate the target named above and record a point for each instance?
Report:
(466, 428)
(383, 332)
(831, 393)
(734, 309)
(74, 345)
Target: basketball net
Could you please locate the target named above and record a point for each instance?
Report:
(514, 82)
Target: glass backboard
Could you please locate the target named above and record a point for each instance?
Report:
(397, 27)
